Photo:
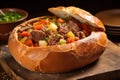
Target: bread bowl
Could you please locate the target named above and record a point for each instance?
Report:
(65, 57)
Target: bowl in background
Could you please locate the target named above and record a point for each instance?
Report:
(111, 20)
(7, 27)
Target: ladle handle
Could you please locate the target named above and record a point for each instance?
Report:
(2, 12)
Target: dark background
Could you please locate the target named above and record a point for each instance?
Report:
(39, 7)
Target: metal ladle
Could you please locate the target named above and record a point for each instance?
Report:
(2, 12)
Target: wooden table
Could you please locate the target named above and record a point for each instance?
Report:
(109, 74)
(3, 74)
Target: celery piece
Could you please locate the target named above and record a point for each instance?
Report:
(62, 41)
(23, 40)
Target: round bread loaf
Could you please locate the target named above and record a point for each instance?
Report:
(61, 58)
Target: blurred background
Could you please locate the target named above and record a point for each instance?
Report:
(39, 7)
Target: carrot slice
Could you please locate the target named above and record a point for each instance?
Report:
(39, 25)
(29, 42)
(60, 20)
(86, 28)
(25, 33)
(70, 40)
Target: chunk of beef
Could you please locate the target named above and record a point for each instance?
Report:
(81, 34)
(63, 30)
(53, 39)
(38, 35)
(73, 26)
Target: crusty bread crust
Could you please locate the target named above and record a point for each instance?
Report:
(59, 58)
(79, 14)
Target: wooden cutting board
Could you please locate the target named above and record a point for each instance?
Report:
(107, 67)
